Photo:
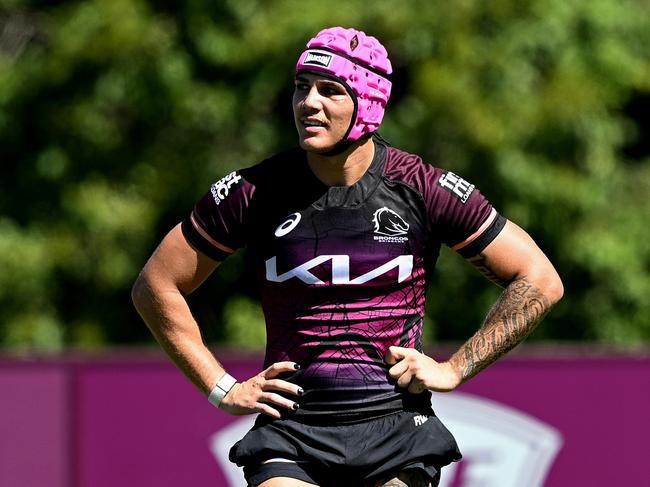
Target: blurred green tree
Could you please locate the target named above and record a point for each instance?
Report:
(116, 116)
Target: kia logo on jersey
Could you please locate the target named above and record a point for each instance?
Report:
(340, 270)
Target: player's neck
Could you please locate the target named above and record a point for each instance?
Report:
(343, 169)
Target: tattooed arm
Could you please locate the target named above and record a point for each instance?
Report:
(512, 318)
(532, 287)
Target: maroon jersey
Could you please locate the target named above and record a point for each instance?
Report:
(343, 271)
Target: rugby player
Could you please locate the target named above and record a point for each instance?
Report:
(344, 232)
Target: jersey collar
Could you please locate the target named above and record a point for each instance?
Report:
(356, 194)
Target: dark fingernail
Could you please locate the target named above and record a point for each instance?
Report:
(296, 366)
(301, 391)
(295, 406)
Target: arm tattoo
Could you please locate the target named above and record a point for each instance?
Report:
(480, 262)
(512, 318)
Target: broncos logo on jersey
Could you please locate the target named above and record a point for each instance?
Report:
(389, 223)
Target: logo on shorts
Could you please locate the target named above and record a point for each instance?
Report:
(317, 58)
(420, 419)
(221, 188)
(457, 186)
(389, 226)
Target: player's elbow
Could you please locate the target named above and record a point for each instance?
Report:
(555, 290)
(550, 285)
(140, 293)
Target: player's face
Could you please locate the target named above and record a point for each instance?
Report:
(322, 110)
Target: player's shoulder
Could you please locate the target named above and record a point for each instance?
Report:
(410, 169)
(245, 182)
(435, 183)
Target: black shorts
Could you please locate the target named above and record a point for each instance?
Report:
(351, 455)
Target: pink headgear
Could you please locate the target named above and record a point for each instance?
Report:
(361, 64)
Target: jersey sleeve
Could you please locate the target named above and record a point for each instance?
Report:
(462, 217)
(216, 224)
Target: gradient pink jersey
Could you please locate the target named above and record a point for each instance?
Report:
(343, 271)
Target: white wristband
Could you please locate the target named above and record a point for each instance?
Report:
(221, 389)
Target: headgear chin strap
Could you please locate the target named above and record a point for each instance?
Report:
(361, 64)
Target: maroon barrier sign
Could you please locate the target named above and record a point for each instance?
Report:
(126, 421)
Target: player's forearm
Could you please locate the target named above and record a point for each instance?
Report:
(170, 320)
(519, 309)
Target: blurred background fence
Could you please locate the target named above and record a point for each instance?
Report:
(129, 418)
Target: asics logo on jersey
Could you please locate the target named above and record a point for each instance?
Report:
(389, 226)
(340, 270)
(289, 225)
